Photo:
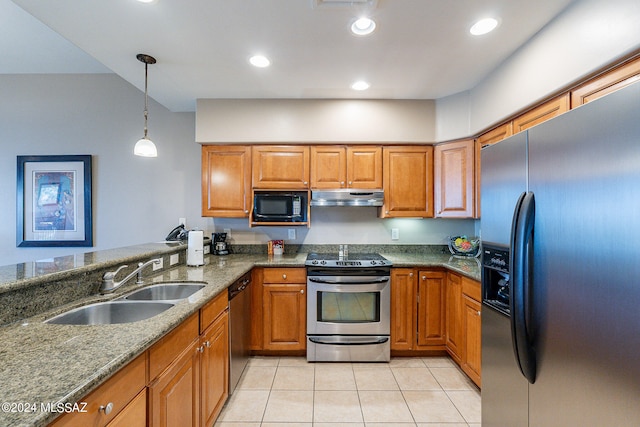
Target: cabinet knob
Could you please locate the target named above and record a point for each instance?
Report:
(341, 183)
(200, 349)
(207, 344)
(246, 212)
(106, 408)
(424, 277)
(302, 291)
(410, 274)
(305, 183)
(350, 183)
(284, 276)
(479, 313)
(387, 212)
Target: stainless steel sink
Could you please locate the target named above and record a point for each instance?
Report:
(111, 312)
(166, 292)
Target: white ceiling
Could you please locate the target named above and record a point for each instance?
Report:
(421, 49)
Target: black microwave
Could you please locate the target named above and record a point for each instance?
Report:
(280, 206)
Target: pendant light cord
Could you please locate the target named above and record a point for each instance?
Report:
(146, 103)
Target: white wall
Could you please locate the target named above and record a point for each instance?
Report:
(349, 225)
(135, 200)
(588, 35)
(312, 120)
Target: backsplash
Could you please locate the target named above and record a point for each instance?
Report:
(353, 248)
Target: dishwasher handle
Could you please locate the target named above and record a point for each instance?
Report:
(239, 286)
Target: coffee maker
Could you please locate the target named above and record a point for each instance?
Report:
(220, 245)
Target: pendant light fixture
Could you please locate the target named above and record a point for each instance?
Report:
(145, 147)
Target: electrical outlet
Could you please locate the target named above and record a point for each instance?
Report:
(158, 265)
(291, 233)
(174, 259)
(395, 234)
(182, 221)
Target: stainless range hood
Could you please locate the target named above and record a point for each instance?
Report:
(347, 197)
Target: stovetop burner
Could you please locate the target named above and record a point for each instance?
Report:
(353, 260)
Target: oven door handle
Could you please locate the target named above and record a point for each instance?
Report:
(346, 281)
(329, 342)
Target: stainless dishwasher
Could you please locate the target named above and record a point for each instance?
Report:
(239, 328)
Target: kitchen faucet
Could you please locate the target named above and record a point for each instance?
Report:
(108, 285)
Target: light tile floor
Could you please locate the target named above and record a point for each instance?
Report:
(290, 392)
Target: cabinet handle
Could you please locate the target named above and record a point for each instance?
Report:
(284, 276)
(106, 408)
(302, 291)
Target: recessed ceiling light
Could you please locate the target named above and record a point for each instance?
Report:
(146, 1)
(259, 61)
(483, 26)
(363, 26)
(360, 85)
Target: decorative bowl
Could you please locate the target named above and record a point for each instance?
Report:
(464, 246)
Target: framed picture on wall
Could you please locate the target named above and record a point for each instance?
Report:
(54, 201)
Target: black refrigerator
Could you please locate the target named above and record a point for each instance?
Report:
(563, 200)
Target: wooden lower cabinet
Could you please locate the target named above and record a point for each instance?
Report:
(403, 309)
(118, 393)
(284, 309)
(431, 308)
(473, 339)
(134, 414)
(214, 369)
(173, 396)
(454, 335)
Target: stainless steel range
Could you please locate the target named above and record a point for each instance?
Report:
(348, 308)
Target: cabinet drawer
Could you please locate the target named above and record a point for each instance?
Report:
(118, 390)
(213, 309)
(284, 275)
(471, 288)
(168, 348)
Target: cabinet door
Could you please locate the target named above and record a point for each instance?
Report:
(454, 179)
(541, 113)
(408, 182)
(280, 167)
(328, 167)
(473, 336)
(608, 82)
(453, 321)
(364, 167)
(403, 308)
(285, 316)
(226, 181)
(134, 414)
(214, 369)
(496, 135)
(174, 395)
(431, 308)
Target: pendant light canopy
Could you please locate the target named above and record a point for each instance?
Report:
(145, 147)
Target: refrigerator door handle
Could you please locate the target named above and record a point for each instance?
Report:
(521, 260)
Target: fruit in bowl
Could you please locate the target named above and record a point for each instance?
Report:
(463, 245)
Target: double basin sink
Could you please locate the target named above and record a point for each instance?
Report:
(138, 305)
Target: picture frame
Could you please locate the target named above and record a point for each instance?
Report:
(53, 201)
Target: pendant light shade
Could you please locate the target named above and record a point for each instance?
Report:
(145, 147)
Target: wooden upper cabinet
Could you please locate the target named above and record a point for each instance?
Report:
(617, 78)
(328, 167)
(542, 113)
(364, 167)
(346, 167)
(407, 181)
(454, 179)
(280, 167)
(496, 134)
(226, 181)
